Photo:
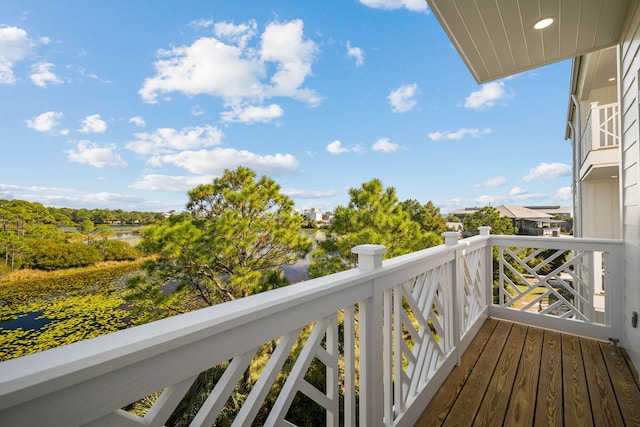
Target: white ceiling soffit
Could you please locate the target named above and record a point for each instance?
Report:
(496, 38)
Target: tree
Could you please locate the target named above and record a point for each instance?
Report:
(235, 233)
(375, 216)
(87, 227)
(488, 216)
(427, 215)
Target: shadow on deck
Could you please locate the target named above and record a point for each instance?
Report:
(516, 375)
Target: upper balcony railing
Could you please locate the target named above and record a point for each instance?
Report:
(368, 346)
(601, 129)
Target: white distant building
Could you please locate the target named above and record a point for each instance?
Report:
(312, 213)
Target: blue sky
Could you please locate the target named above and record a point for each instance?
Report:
(127, 105)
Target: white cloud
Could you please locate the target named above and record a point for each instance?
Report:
(459, 134)
(67, 197)
(252, 114)
(138, 121)
(179, 184)
(356, 53)
(208, 66)
(41, 74)
(284, 45)
(403, 99)
(201, 23)
(169, 140)
(93, 124)
(214, 162)
(413, 5)
(336, 148)
(308, 194)
(92, 154)
(84, 73)
(45, 122)
(227, 67)
(238, 35)
(497, 181)
(548, 171)
(487, 96)
(564, 194)
(385, 145)
(15, 45)
(517, 191)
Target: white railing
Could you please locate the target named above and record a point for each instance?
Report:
(383, 336)
(601, 129)
(551, 283)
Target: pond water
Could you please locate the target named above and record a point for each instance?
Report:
(26, 321)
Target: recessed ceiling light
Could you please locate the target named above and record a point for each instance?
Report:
(612, 79)
(614, 176)
(543, 23)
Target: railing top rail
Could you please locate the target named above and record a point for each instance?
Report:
(556, 242)
(45, 372)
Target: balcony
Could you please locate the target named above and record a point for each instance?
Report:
(600, 155)
(386, 337)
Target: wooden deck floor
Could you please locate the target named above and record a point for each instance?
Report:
(516, 375)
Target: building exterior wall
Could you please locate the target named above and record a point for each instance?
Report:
(628, 74)
(601, 198)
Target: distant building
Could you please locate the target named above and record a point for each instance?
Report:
(562, 211)
(532, 221)
(313, 213)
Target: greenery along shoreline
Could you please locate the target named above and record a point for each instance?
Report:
(36, 237)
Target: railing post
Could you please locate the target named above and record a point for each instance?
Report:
(369, 256)
(371, 326)
(484, 230)
(488, 272)
(451, 237)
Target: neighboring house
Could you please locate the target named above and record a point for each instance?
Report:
(531, 222)
(313, 213)
(564, 212)
(461, 213)
(528, 221)
(604, 118)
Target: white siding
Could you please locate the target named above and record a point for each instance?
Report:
(601, 198)
(628, 77)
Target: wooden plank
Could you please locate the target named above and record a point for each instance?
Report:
(549, 406)
(577, 408)
(466, 406)
(632, 368)
(603, 400)
(443, 400)
(624, 386)
(522, 405)
(494, 405)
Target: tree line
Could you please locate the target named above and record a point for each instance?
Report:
(35, 236)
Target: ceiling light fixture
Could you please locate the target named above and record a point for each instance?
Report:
(543, 23)
(612, 79)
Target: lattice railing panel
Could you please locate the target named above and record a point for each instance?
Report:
(547, 281)
(422, 331)
(283, 370)
(473, 287)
